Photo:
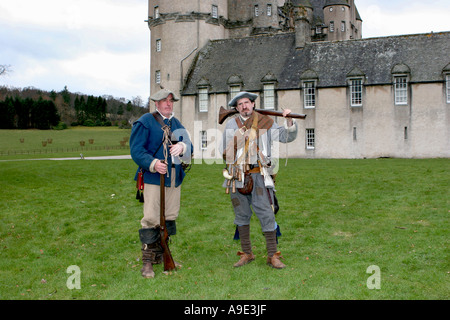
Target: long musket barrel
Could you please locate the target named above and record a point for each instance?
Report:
(169, 264)
(225, 113)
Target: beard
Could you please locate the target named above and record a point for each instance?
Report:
(246, 113)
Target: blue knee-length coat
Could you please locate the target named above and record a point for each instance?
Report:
(146, 146)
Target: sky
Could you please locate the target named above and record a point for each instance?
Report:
(101, 47)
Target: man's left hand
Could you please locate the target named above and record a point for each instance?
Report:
(286, 113)
(176, 149)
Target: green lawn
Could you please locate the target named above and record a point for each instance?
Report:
(337, 217)
(32, 144)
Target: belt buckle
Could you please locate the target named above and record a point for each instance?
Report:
(242, 130)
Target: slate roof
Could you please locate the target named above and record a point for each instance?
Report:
(253, 58)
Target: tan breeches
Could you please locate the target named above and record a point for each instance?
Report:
(151, 217)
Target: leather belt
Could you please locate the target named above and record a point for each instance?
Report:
(254, 170)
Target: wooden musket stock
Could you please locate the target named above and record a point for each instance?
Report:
(225, 113)
(169, 264)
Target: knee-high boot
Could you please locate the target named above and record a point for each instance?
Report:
(246, 255)
(151, 251)
(273, 256)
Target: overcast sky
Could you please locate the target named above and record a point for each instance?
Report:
(101, 47)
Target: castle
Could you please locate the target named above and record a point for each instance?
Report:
(364, 98)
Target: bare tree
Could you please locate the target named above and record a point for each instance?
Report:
(137, 101)
(4, 69)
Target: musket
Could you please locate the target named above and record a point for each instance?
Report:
(225, 113)
(169, 264)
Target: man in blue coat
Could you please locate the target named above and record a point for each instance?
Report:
(158, 151)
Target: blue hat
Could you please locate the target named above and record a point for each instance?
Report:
(240, 95)
(163, 94)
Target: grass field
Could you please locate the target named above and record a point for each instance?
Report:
(337, 218)
(32, 144)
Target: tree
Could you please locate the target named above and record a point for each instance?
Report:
(23, 109)
(44, 114)
(137, 101)
(7, 114)
(66, 95)
(4, 69)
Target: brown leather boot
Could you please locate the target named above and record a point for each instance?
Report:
(245, 258)
(147, 270)
(150, 256)
(275, 262)
(246, 245)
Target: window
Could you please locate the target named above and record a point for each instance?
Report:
(158, 45)
(343, 26)
(156, 12)
(405, 133)
(331, 26)
(356, 92)
(269, 96)
(215, 11)
(447, 81)
(256, 11)
(158, 76)
(234, 90)
(269, 10)
(354, 134)
(203, 140)
(309, 96)
(203, 99)
(401, 90)
(310, 139)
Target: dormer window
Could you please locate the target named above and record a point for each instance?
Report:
(203, 95)
(269, 96)
(203, 99)
(309, 80)
(234, 84)
(234, 90)
(400, 79)
(309, 95)
(356, 92)
(401, 90)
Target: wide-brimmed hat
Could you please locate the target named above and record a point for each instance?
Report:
(163, 94)
(240, 95)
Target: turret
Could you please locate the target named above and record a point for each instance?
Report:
(338, 17)
(303, 15)
(178, 29)
(265, 17)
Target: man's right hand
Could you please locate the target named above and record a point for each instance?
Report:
(161, 167)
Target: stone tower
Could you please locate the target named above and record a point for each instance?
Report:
(265, 17)
(303, 18)
(342, 19)
(178, 29)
